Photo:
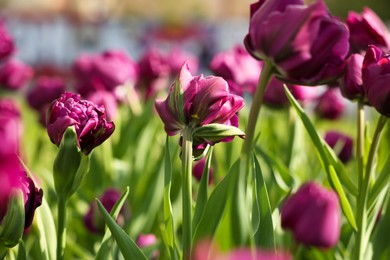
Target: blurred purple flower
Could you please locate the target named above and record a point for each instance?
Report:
(10, 127)
(105, 71)
(376, 79)
(89, 121)
(366, 29)
(7, 46)
(106, 99)
(352, 83)
(313, 215)
(201, 101)
(238, 68)
(14, 74)
(197, 171)
(342, 142)
(275, 97)
(94, 221)
(177, 57)
(309, 47)
(330, 105)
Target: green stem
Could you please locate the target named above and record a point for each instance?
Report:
(254, 112)
(3, 251)
(187, 191)
(292, 126)
(61, 228)
(361, 213)
(360, 143)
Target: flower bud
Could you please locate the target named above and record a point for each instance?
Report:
(308, 48)
(341, 143)
(7, 46)
(366, 29)
(148, 240)
(10, 127)
(330, 104)
(177, 57)
(107, 100)
(14, 74)
(376, 78)
(88, 120)
(313, 215)
(198, 169)
(352, 82)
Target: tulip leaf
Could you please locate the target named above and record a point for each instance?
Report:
(215, 207)
(215, 132)
(105, 245)
(328, 162)
(47, 230)
(381, 182)
(381, 236)
(202, 192)
(264, 234)
(169, 231)
(126, 245)
(22, 254)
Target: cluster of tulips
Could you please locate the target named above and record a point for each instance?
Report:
(145, 159)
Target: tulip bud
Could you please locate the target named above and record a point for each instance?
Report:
(148, 240)
(10, 127)
(198, 169)
(341, 143)
(366, 29)
(352, 82)
(330, 104)
(177, 57)
(7, 46)
(14, 74)
(375, 73)
(313, 215)
(311, 50)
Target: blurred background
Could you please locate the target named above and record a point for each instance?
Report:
(50, 34)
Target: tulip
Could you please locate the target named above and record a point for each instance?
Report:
(198, 101)
(352, 83)
(330, 104)
(10, 127)
(313, 215)
(366, 29)
(342, 142)
(88, 120)
(15, 74)
(198, 168)
(94, 221)
(177, 57)
(106, 99)
(106, 71)
(7, 46)
(147, 240)
(376, 76)
(238, 68)
(275, 97)
(309, 47)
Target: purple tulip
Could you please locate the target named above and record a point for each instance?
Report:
(177, 57)
(106, 99)
(105, 71)
(154, 71)
(352, 83)
(13, 176)
(94, 221)
(15, 74)
(330, 105)
(309, 47)
(275, 97)
(376, 78)
(7, 46)
(145, 240)
(238, 68)
(205, 100)
(366, 29)
(89, 121)
(343, 144)
(198, 168)
(10, 127)
(313, 215)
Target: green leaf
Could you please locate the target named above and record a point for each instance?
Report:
(381, 237)
(380, 183)
(264, 235)
(215, 132)
(22, 254)
(328, 161)
(202, 192)
(126, 245)
(215, 207)
(105, 245)
(47, 231)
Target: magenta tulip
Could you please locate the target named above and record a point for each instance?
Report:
(366, 29)
(376, 79)
(14, 74)
(330, 105)
(10, 127)
(313, 215)
(88, 120)
(342, 143)
(177, 57)
(352, 83)
(309, 47)
(7, 46)
(198, 168)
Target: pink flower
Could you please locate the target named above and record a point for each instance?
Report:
(7, 46)
(15, 74)
(330, 105)
(342, 142)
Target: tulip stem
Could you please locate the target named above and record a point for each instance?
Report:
(254, 112)
(61, 228)
(361, 213)
(360, 142)
(187, 191)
